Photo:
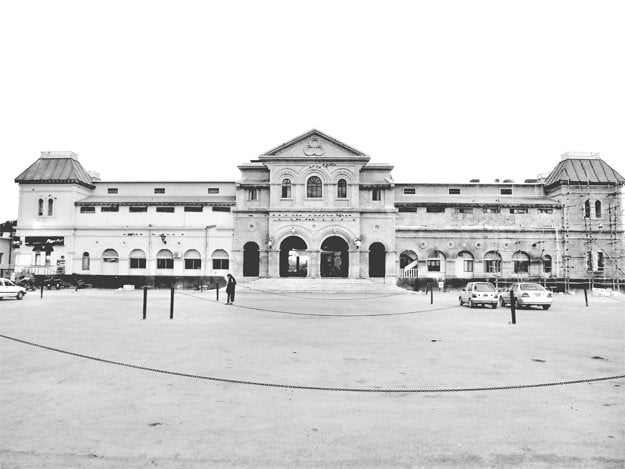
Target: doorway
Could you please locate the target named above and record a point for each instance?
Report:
(293, 257)
(334, 257)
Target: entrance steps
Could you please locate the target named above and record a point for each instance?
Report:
(325, 285)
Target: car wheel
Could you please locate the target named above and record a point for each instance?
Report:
(471, 304)
(546, 306)
(460, 301)
(493, 305)
(20, 295)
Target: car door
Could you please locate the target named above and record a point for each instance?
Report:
(2, 288)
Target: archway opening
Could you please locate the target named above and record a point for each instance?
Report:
(293, 257)
(377, 260)
(250, 260)
(334, 257)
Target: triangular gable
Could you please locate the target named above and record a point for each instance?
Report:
(313, 144)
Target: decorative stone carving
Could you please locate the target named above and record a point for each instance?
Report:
(313, 147)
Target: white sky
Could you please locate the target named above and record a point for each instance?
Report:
(183, 90)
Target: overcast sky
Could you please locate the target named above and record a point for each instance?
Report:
(183, 90)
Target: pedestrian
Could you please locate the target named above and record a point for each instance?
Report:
(230, 289)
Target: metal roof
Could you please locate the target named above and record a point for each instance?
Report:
(583, 171)
(157, 200)
(55, 171)
(454, 201)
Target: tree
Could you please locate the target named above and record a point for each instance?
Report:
(8, 226)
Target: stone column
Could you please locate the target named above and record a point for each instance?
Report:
(313, 263)
(274, 263)
(263, 263)
(354, 264)
(364, 263)
(391, 264)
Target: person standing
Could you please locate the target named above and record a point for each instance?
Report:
(230, 289)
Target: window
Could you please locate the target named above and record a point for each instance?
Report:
(518, 210)
(463, 210)
(547, 264)
(110, 256)
(598, 209)
(192, 260)
(467, 265)
(193, 208)
(434, 265)
(87, 209)
(286, 189)
(545, 210)
(521, 263)
(409, 191)
(314, 188)
(137, 259)
(109, 208)
(376, 194)
(492, 262)
(341, 189)
(213, 190)
(587, 209)
(86, 264)
(434, 209)
(220, 260)
(221, 209)
(40, 208)
(159, 190)
(454, 191)
(112, 190)
(252, 194)
(506, 191)
(165, 209)
(50, 207)
(138, 208)
(600, 262)
(164, 259)
(407, 209)
(492, 210)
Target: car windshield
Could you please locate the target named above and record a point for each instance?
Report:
(484, 287)
(8, 283)
(531, 286)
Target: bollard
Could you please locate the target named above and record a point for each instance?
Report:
(41, 291)
(171, 304)
(431, 295)
(586, 295)
(217, 290)
(512, 307)
(145, 302)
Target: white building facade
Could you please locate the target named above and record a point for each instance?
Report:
(316, 207)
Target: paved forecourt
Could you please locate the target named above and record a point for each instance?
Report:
(63, 410)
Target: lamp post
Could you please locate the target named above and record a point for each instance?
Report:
(206, 228)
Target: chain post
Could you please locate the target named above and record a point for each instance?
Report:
(145, 302)
(512, 307)
(171, 304)
(586, 296)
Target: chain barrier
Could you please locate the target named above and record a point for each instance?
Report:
(311, 388)
(360, 315)
(317, 298)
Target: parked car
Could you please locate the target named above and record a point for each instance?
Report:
(27, 281)
(57, 283)
(8, 289)
(527, 294)
(478, 293)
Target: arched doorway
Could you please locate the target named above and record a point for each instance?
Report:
(250, 259)
(293, 257)
(334, 257)
(377, 260)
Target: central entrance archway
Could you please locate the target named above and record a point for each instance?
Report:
(334, 257)
(293, 257)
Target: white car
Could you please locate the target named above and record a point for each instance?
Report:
(527, 294)
(9, 290)
(479, 293)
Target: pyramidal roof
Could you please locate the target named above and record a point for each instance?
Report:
(56, 167)
(583, 168)
(314, 135)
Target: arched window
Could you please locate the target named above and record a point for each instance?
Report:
(492, 262)
(521, 262)
(86, 263)
(164, 259)
(50, 207)
(192, 260)
(286, 189)
(313, 188)
(40, 208)
(598, 209)
(406, 258)
(221, 260)
(110, 256)
(137, 259)
(341, 189)
(467, 261)
(436, 263)
(587, 209)
(547, 262)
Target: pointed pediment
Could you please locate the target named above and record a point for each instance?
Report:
(315, 145)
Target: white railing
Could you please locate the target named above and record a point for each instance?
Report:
(409, 273)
